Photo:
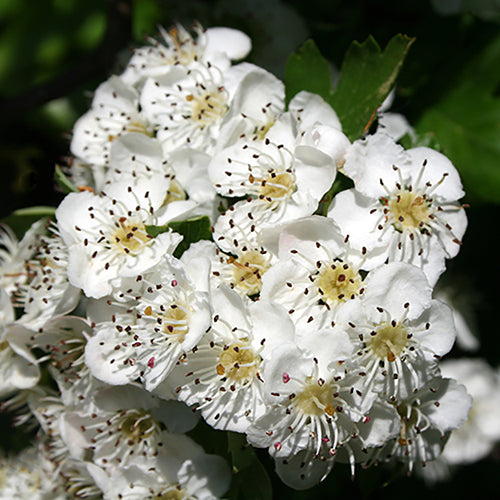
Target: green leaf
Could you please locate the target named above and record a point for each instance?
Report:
(250, 480)
(192, 230)
(242, 454)
(466, 123)
(308, 70)
(415, 140)
(341, 183)
(63, 182)
(21, 220)
(366, 77)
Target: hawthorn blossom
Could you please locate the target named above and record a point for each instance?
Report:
(426, 419)
(64, 340)
(178, 46)
(311, 412)
(481, 431)
(142, 332)
(27, 475)
(404, 206)
(15, 254)
(115, 111)
(242, 271)
(188, 104)
(221, 376)
(316, 274)
(279, 187)
(200, 477)
(107, 238)
(47, 292)
(125, 422)
(398, 331)
(18, 366)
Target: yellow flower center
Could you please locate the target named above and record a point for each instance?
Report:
(248, 269)
(208, 107)
(337, 282)
(276, 186)
(238, 362)
(389, 340)
(130, 235)
(316, 399)
(175, 320)
(174, 492)
(137, 425)
(408, 210)
(174, 193)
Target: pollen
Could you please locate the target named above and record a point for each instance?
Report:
(130, 235)
(239, 362)
(408, 211)
(337, 283)
(248, 269)
(316, 400)
(208, 107)
(389, 341)
(277, 186)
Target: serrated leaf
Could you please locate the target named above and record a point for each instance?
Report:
(21, 220)
(466, 122)
(192, 230)
(63, 182)
(308, 70)
(367, 76)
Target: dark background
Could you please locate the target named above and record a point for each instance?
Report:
(53, 53)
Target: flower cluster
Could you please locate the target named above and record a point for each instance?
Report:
(311, 329)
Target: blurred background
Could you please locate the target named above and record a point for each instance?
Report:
(54, 53)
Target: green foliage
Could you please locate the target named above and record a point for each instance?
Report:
(63, 182)
(192, 230)
(366, 77)
(21, 220)
(250, 479)
(308, 70)
(466, 123)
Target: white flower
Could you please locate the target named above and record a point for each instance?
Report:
(27, 475)
(107, 237)
(114, 111)
(15, 254)
(178, 46)
(187, 105)
(398, 331)
(199, 477)
(404, 205)
(477, 437)
(242, 271)
(126, 422)
(279, 185)
(316, 274)
(47, 293)
(426, 419)
(221, 377)
(18, 366)
(311, 411)
(144, 330)
(64, 339)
